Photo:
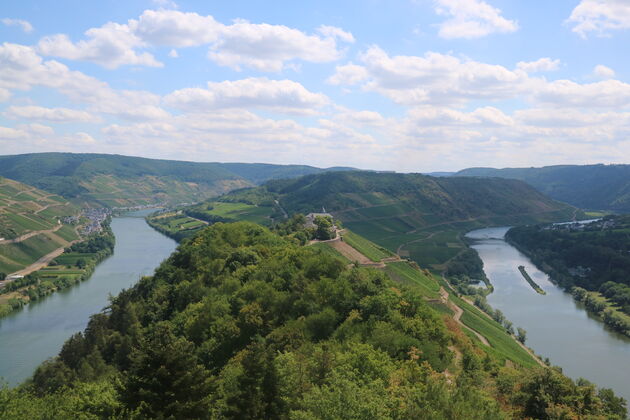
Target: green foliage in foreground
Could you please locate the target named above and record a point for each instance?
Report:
(240, 323)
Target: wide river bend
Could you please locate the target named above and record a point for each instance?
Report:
(37, 332)
(557, 326)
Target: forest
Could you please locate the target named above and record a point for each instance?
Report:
(594, 258)
(241, 322)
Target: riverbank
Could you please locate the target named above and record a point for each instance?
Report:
(595, 304)
(557, 326)
(38, 331)
(66, 269)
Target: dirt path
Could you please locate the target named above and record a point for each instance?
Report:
(456, 317)
(30, 235)
(458, 314)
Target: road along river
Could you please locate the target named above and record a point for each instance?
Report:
(557, 326)
(37, 332)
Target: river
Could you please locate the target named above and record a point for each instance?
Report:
(557, 326)
(37, 332)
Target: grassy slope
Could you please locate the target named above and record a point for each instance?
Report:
(417, 216)
(503, 346)
(25, 210)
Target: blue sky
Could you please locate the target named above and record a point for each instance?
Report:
(405, 85)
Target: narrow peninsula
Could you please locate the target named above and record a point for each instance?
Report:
(531, 281)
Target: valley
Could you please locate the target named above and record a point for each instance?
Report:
(402, 234)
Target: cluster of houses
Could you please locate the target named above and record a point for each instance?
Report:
(96, 217)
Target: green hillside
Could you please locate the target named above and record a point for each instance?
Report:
(414, 215)
(242, 323)
(595, 187)
(114, 180)
(30, 224)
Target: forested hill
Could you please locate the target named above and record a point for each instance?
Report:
(241, 323)
(358, 195)
(114, 180)
(597, 187)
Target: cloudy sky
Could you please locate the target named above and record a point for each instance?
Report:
(405, 85)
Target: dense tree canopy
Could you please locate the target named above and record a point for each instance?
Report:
(243, 323)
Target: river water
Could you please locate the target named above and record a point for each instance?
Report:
(557, 326)
(37, 332)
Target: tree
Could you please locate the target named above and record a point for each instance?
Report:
(324, 229)
(522, 335)
(165, 379)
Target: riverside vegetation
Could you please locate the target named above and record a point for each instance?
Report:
(76, 264)
(241, 322)
(592, 261)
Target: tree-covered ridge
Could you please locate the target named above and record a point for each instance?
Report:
(449, 198)
(586, 258)
(118, 181)
(598, 187)
(242, 323)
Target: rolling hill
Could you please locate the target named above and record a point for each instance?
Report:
(114, 180)
(417, 216)
(595, 187)
(30, 224)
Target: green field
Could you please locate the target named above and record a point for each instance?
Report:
(26, 252)
(326, 249)
(367, 248)
(406, 274)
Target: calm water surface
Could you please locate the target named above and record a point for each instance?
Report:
(37, 332)
(557, 327)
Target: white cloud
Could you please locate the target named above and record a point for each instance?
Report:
(440, 79)
(604, 94)
(278, 95)
(334, 32)
(600, 17)
(471, 19)
(175, 29)
(110, 46)
(349, 74)
(269, 47)
(540, 65)
(59, 115)
(173, 53)
(23, 24)
(4, 95)
(603, 72)
(166, 4)
(23, 69)
(8, 133)
(262, 46)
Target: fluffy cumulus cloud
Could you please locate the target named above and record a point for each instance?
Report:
(600, 17)
(263, 46)
(603, 72)
(279, 95)
(23, 69)
(540, 65)
(471, 19)
(268, 47)
(110, 46)
(437, 78)
(58, 115)
(22, 24)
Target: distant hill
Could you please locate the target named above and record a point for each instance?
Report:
(115, 180)
(415, 215)
(596, 187)
(31, 224)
